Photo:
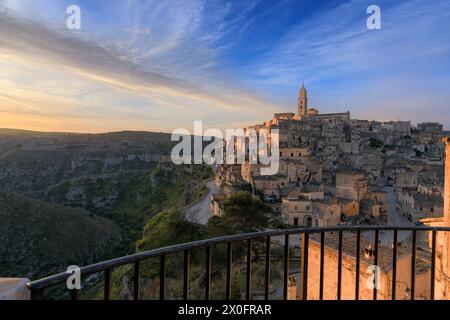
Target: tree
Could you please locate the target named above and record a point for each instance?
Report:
(243, 214)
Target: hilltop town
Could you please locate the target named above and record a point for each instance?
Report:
(337, 170)
(333, 171)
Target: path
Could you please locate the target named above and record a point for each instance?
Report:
(200, 211)
(395, 219)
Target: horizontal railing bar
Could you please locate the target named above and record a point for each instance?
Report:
(102, 266)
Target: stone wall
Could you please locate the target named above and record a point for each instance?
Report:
(422, 283)
(14, 289)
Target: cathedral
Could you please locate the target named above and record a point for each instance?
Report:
(304, 112)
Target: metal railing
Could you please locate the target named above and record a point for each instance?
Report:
(38, 287)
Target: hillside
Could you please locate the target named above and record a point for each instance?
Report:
(37, 238)
(126, 178)
(31, 162)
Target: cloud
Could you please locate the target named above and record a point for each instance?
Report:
(138, 30)
(162, 64)
(337, 41)
(345, 64)
(42, 48)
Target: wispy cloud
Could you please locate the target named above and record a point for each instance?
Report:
(157, 65)
(133, 73)
(138, 30)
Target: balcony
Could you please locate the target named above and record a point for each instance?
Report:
(333, 264)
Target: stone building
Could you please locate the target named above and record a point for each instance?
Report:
(403, 281)
(348, 280)
(442, 275)
(407, 180)
(310, 209)
(401, 128)
(351, 185)
(429, 131)
(416, 206)
(349, 207)
(328, 212)
(297, 210)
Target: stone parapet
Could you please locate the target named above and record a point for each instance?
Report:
(14, 289)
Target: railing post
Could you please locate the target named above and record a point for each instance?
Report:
(107, 288)
(286, 267)
(267, 273)
(137, 281)
(413, 264)
(433, 263)
(248, 293)
(74, 294)
(339, 280)
(394, 265)
(322, 264)
(304, 271)
(162, 276)
(37, 294)
(229, 269)
(186, 275)
(358, 263)
(208, 273)
(375, 262)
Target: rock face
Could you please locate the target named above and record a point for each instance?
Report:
(35, 163)
(71, 198)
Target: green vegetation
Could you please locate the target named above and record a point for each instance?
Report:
(167, 228)
(418, 153)
(132, 197)
(38, 238)
(83, 198)
(243, 214)
(375, 143)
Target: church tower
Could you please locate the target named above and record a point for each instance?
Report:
(303, 102)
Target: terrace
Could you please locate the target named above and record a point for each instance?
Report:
(313, 245)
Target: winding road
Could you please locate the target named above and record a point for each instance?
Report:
(200, 211)
(395, 219)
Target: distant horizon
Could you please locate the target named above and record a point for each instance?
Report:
(413, 124)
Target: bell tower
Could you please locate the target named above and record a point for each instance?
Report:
(303, 102)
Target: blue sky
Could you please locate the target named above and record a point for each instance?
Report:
(160, 65)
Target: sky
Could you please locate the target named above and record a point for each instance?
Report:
(161, 65)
